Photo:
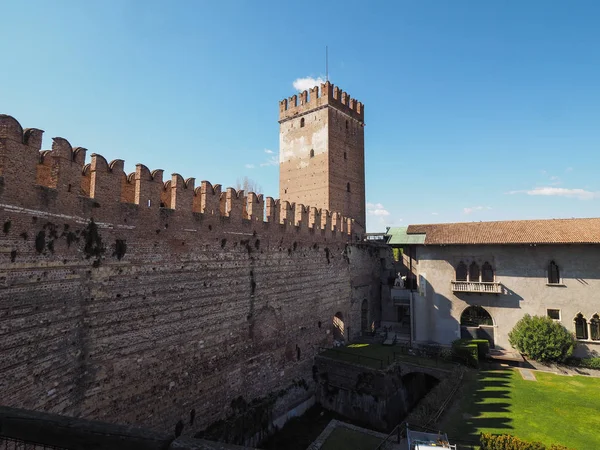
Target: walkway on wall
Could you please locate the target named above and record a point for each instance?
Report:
(34, 430)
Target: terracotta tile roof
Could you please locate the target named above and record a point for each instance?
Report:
(552, 231)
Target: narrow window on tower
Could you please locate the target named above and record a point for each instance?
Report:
(302, 123)
(348, 187)
(312, 153)
(346, 124)
(345, 156)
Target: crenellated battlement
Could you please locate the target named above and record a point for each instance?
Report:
(327, 95)
(59, 181)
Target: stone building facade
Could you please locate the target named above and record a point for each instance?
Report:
(505, 269)
(322, 151)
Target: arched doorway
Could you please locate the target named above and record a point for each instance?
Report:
(364, 316)
(416, 385)
(338, 327)
(477, 323)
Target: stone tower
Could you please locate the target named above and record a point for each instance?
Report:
(322, 151)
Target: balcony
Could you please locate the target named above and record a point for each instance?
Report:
(476, 287)
(401, 296)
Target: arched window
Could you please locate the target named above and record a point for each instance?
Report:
(487, 273)
(345, 156)
(348, 187)
(595, 328)
(461, 272)
(474, 272)
(302, 123)
(338, 326)
(475, 316)
(346, 124)
(553, 273)
(581, 331)
(312, 153)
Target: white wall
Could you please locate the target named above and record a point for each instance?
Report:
(522, 270)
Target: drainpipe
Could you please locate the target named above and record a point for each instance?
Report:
(412, 317)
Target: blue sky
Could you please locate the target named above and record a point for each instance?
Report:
(474, 110)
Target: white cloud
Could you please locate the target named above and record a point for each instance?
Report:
(475, 208)
(377, 209)
(304, 84)
(569, 169)
(434, 214)
(581, 194)
(273, 160)
(378, 218)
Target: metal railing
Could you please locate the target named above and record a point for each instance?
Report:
(401, 295)
(399, 432)
(349, 356)
(435, 355)
(477, 287)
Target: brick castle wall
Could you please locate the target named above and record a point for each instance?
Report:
(115, 308)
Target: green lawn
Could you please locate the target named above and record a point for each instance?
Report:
(553, 409)
(347, 439)
(379, 356)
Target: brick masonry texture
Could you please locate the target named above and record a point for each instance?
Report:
(115, 308)
(322, 151)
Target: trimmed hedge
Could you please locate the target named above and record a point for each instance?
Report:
(466, 352)
(507, 442)
(483, 347)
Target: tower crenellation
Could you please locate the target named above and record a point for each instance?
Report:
(327, 94)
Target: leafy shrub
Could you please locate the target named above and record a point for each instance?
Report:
(507, 442)
(466, 352)
(542, 339)
(587, 363)
(483, 346)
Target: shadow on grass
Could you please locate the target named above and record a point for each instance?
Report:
(493, 408)
(494, 383)
(486, 405)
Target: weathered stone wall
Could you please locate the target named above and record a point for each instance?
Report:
(304, 159)
(379, 398)
(347, 165)
(152, 315)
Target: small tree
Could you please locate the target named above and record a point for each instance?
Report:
(542, 339)
(247, 185)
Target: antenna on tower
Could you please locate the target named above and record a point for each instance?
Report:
(326, 63)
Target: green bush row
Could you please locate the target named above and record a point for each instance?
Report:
(483, 346)
(587, 363)
(507, 442)
(466, 351)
